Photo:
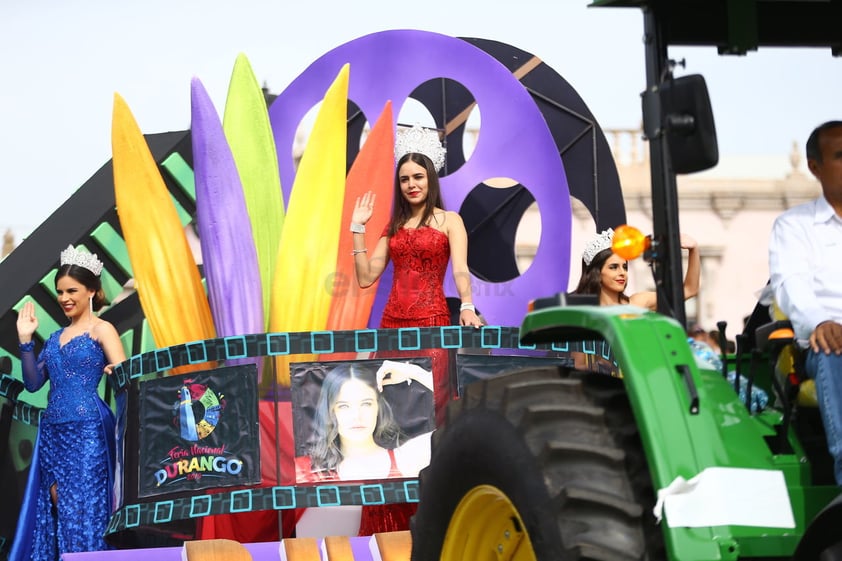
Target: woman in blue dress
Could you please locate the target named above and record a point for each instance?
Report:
(68, 500)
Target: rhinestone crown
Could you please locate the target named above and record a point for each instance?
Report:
(600, 243)
(74, 256)
(423, 141)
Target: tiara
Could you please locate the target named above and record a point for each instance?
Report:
(73, 256)
(599, 243)
(420, 140)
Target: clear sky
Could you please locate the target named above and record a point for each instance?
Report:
(62, 62)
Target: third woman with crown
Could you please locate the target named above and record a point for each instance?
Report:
(607, 274)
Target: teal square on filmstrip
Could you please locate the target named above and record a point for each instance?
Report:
(282, 338)
(235, 338)
(448, 333)
(316, 336)
(26, 414)
(589, 350)
(606, 350)
(561, 346)
(410, 489)
(159, 520)
(365, 490)
(409, 331)
(287, 493)
(335, 499)
(122, 376)
(164, 353)
(208, 503)
(132, 516)
(114, 522)
(33, 413)
(369, 349)
(493, 332)
(200, 346)
(136, 367)
(236, 495)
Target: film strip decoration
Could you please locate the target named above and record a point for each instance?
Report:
(320, 342)
(262, 498)
(487, 338)
(21, 411)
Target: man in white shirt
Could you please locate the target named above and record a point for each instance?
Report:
(805, 264)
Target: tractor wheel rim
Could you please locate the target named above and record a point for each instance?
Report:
(486, 525)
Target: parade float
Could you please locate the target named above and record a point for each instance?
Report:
(536, 460)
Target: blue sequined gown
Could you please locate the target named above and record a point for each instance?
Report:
(75, 451)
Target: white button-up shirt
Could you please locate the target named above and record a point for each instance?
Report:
(805, 265)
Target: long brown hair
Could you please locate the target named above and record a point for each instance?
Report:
(401, 209)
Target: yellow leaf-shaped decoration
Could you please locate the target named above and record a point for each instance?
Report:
(166, 276)
(303, 280)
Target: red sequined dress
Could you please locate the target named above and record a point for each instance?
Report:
(419, 257)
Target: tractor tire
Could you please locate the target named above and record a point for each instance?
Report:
(541, 464)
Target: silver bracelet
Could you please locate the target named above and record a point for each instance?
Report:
(467, 306)
(356, 251)
(357, 228)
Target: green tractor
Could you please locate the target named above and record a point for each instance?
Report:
(555, 463)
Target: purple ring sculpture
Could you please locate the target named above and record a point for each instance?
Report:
(514, 142)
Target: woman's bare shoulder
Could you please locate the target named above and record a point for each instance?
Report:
(452, 221)
(102, 328)
(647, 300)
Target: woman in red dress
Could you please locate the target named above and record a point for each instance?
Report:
(420, 240)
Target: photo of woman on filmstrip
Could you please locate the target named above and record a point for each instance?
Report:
(362, 419)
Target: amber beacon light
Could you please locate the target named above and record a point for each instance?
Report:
(629, 243)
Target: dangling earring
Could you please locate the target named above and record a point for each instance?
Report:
(91, 307)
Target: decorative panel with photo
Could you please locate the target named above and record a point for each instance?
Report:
(361, 419)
